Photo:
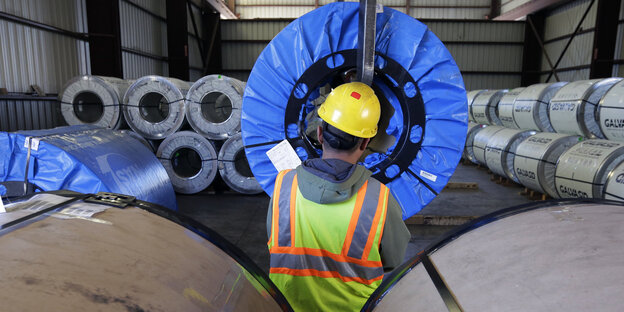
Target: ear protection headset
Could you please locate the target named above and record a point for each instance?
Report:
(338, 139)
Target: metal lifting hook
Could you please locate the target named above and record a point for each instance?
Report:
(366, 41)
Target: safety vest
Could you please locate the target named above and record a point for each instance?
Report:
(325, 257)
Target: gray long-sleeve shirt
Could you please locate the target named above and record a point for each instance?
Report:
(326, 181)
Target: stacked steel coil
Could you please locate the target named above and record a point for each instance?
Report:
(183, 123)
(572, 163)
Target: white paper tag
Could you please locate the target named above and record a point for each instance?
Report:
(428, 176)
(34, 143)
(379, 8)
(283, 156)
(83, 210)
(2, 209)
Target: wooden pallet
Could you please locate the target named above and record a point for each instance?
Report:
(461, 186)
(534, 195)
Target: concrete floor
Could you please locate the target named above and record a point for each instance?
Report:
(241, 219)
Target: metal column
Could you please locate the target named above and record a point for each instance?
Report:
(605, 38)
(211, 22)
(177, 40)
(104, 38)
(532, 53)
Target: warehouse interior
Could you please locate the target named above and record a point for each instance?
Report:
(499, 117)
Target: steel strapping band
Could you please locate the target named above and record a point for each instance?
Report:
(447, 296)
(365, 219)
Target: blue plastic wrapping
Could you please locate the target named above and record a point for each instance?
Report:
(399, 37)
(88, 160)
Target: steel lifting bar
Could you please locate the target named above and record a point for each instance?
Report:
(366, 41)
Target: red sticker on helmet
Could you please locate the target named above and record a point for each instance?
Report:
(355, 95)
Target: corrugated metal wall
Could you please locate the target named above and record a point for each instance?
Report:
(243, 40)
(489, 53)
(31, 56)
(19, 114)
(558, 27)
(145, 33)
(450, 9)
(508, 5)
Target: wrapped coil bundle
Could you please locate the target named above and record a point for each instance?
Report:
(536, 160)
(94, 100)
(416, 77)
(574, 108)
(154, 106)
(614, 187)
(575, 262)
(500, 151)
(485, 107)
(90, 255)
(611, 112)
(214, 106)
(85, 159)
(583, 169)
(190, 160)
(471, 95)
(139, 138)
(505, 108)
(234, 168)
(473, 129)
(480, 141)
(530, 109)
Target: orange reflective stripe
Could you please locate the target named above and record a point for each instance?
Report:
(373, 232)
(323, 253)
(325, 274)
(354, 218)
(275, 216)
(385, 212)
(293, 197)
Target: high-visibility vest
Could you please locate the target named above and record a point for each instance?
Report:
(325, 257)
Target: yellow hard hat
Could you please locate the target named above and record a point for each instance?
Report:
(353, 108)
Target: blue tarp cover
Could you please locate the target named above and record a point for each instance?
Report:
(88, 160)
(334, 28)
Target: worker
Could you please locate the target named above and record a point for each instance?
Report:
(333, 229)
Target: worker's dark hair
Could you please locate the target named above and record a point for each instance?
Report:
(338, 139)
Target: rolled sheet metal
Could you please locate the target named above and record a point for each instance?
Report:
(505, 108)
(86, 255)
(214, 106)
(234, 168)
(536, 160)
(471, 95)
(481, 140)
(485, 107)
(583, 170)
(94, 100)
(530, 109)
(417, 80)
(614, 188)
(190, 161)
(85, 159)
(574, 108)
(473, 129)
(500, 151)
(155, 106)
(611, 112)
(549, 256)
